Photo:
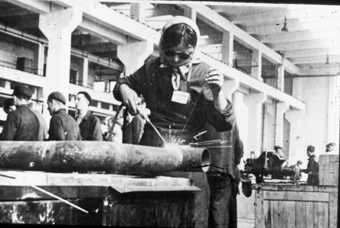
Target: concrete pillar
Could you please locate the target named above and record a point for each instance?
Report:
(133, 55)
(190, 13)
(229, 87)
(296, 152)
(280, 83)
(254, 103)
(256, 65)
(297, 88)
(268, 139)
(85, 71)
(228, 48)
(58, 27)
(41, 57)
(138, 11)
(333, 110)
(281, 108)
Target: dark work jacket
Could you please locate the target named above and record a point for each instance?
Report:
(313, 166)
(63, 127)
(90, 128)
(227, 155)
(21, 125)
(154, 83)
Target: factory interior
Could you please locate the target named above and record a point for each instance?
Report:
(281, 70)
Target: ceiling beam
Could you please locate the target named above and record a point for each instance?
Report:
(301, 45)
(211, 17)
(294, 25)
(100, 30)
(302, 35)
(291, 12)
(34, 5)
(316, 59)
(333, 69)
(311, 52)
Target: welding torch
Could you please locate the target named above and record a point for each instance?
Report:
(144, 112)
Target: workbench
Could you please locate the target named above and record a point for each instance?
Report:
(109, 199)
(279, 205)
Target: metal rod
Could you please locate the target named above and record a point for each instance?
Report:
(50, 194)
(156, 130)
(57, 197)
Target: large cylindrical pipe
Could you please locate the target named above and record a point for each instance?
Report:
(78, 156)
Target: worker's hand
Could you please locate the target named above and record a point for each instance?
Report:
(130, 99)
(143, 112)
(215, 81)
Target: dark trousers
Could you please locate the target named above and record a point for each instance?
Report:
(223, 204)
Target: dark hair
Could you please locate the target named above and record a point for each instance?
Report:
(8, 103)
(311, 149)
(177, 33)
(87, 96)
(277, 147)
(331, 144)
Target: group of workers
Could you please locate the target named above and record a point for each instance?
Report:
(183, 97)
(25, 123)
(312, 166)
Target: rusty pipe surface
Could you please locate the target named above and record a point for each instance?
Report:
(78, 156)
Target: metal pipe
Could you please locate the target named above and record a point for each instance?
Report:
(78, 156)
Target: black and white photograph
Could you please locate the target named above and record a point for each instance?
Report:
(198, 114)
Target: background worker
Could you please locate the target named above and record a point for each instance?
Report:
(330, 147)
(62, 125)
(89, 124)
(297, 171)
(8, 105)
(21, 124)
(312, 167)
(223, 180)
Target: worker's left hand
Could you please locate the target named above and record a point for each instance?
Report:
(214, 80)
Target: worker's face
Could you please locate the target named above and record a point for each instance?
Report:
(15, 98)
(308, 153)
(179, 55)
(329, 148)
(81, 102)
(51, 106)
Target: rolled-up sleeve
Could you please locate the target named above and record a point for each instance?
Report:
(221, 120)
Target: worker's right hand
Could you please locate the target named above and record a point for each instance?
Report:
(130, 99)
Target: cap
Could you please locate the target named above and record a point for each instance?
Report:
(22, 90)
(57, 96)
(88, 97)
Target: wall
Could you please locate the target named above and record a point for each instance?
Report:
(314, 92)
(10, 52)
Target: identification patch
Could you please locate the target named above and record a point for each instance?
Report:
(180, 97)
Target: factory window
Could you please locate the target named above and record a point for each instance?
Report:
(73, 76)
(105, 105)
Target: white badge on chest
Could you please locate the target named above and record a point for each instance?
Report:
(180, 97)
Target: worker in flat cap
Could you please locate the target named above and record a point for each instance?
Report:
(63, 127)
(89, 124)
(22, 124)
